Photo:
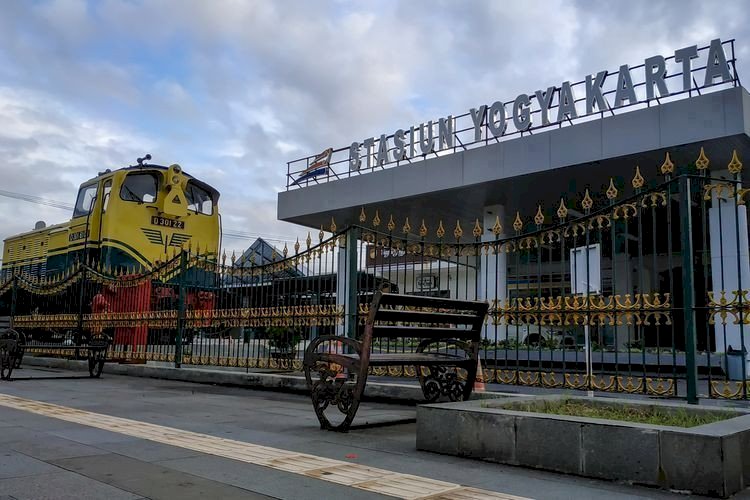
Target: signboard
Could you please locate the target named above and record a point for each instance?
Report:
(586, 270)
(426, 282)
(656, 78)
(498, 117)
(383, 256)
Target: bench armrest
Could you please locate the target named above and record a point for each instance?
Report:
(312, 349)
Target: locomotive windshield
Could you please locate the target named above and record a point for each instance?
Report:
(85, 200)
(139, 187)
(199, 200)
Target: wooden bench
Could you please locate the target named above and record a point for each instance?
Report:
(439, 337)
(13, 346)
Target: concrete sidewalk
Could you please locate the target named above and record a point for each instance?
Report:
(45, 457)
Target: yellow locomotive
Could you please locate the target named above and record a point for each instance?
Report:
(124, 219)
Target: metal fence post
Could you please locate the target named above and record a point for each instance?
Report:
(688, 290)
(180, 309)
(352, 305)
(81, 296)
(13, 299)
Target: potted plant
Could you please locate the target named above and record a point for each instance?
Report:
(283, 341)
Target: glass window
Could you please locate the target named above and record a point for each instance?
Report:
(106, 194)
(140, 188)
(85, 200)
(199, 200)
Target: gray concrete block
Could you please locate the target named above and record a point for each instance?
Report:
(549, 443)
(692, 462)
(745, 457)
(486, 436)
(617, 452)
(432, 431)
(733, 467)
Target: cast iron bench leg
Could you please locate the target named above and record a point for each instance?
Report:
(446, 380)
(335, 396)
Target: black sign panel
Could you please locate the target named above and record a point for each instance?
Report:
(165, 222)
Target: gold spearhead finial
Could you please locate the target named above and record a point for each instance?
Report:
(611, 190)
(638, 180)
(477, 231)
(308, 241)
(321, 235)
(406, 227)
(667, 168)
(296, 245)
(391, 224)
(702, 162)
(587, 202)
(440, 230)
(518, 223)
(497, 229)
(224, 258)
(376, 219)
(286, 250)
(458, 232)
(362, 216)
(539, 217)
(234, 257)
(562, 210)
(333, 225)
(735, 166)
(423, 229)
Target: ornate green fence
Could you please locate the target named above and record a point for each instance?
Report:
(661, 307)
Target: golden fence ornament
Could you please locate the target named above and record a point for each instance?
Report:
(667, 168)
(702, 162)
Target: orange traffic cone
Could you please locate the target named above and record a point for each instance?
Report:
(479, 380)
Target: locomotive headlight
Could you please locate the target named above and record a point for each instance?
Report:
(175, 179)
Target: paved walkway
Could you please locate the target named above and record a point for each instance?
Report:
(127, 438)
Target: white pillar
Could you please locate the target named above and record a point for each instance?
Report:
(342, 282)
(622, 271)
(492, 276)
(730, 264)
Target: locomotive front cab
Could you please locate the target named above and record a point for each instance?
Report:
(150, 212)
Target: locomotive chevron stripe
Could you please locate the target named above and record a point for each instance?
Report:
(179, 239)
(153, 235)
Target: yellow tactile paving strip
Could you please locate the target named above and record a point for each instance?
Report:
(335, 471)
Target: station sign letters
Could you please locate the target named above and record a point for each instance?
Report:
(549, 106)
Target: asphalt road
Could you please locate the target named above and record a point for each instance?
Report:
(53, 452)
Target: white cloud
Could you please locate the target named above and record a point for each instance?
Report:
(232, 90)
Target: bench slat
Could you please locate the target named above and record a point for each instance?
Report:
(437, 302)
(406, 358)
(381, 331)
(426, 317)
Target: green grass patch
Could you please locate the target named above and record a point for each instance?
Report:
(642, 414)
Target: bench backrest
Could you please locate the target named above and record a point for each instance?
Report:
(411, 316)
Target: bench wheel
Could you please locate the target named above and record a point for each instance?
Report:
(7, 360)
(454, 382)
(96, 366)
(335, 390)
(96, 358)
(20, 350)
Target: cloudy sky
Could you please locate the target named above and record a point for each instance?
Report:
(234, 89)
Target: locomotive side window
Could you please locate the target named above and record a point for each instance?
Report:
(107, 193)
(199, 200)
(85, 200)
(140, 188)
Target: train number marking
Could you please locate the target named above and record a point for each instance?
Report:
(165, 222)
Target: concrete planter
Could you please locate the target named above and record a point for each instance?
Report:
(711, 459)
